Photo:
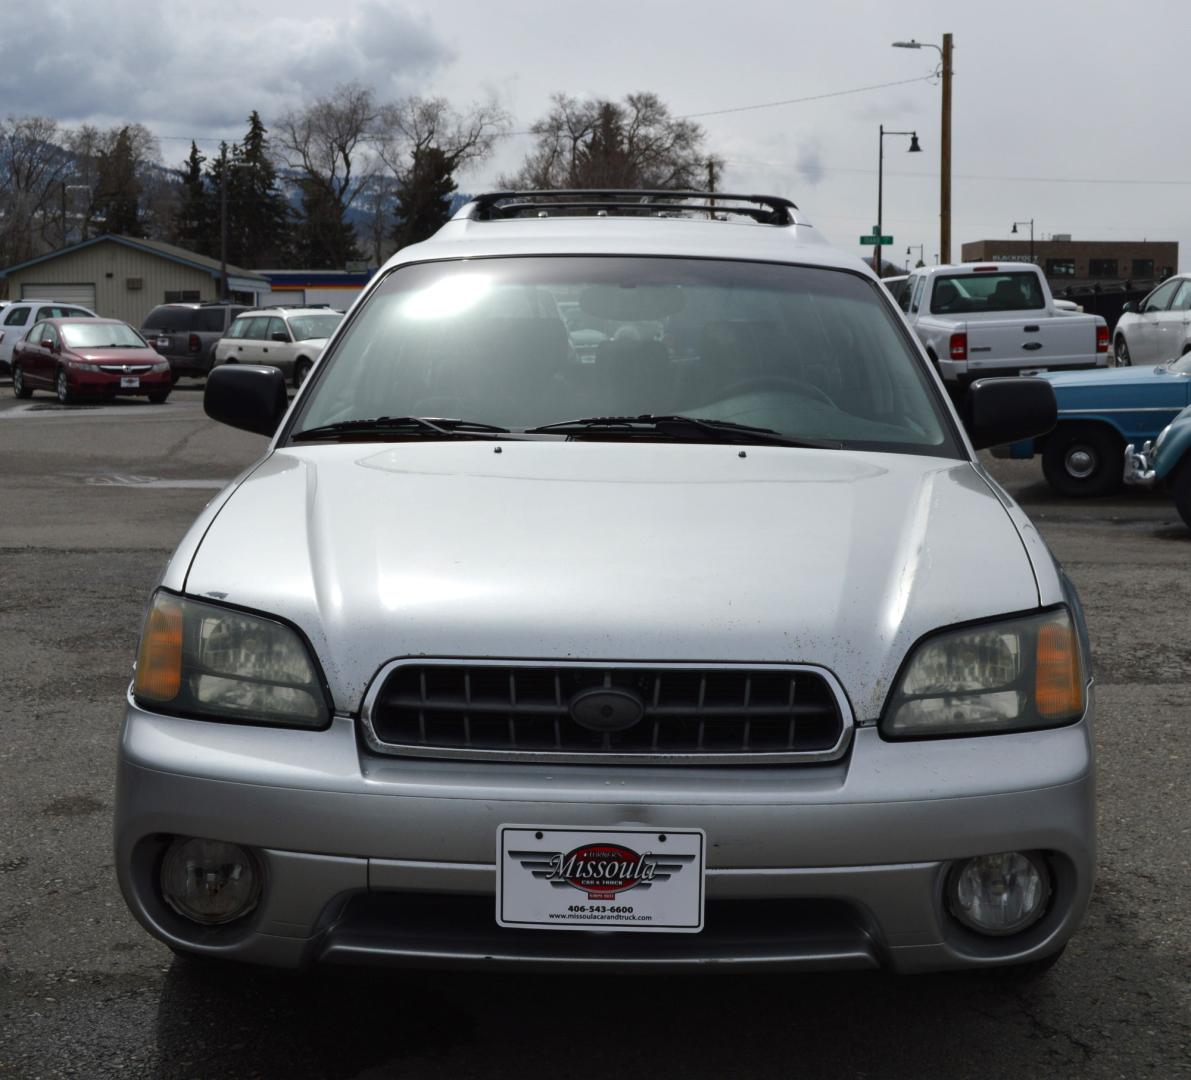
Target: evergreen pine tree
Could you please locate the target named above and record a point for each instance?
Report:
(196, 227)
(423, 196)
(118, 190)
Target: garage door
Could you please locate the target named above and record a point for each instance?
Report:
(83, 295)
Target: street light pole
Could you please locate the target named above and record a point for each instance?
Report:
(1013, 231)
(914, 149)
(944, 140)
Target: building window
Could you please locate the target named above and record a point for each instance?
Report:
(1102, 268)
(182, 296)
(1143, 268)
(1060, 268)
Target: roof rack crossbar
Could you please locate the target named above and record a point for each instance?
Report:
(777, 210)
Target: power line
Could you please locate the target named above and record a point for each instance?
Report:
(811, 97)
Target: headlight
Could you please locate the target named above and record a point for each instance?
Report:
(212, 662)
(1006, 676)
(161, 365)
(80, 366)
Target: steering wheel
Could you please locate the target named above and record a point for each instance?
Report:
(778, 382)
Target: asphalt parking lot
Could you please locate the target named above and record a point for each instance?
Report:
(92, 501)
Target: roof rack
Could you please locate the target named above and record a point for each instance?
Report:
(600, 202)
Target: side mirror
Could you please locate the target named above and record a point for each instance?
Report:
(48, 343)
(281, 336)
(1130, 308)
(246, 396)
(999, 411)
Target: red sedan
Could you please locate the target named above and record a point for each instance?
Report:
(88, 358)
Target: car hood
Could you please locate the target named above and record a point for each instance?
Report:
(1114, 376)
(115, 356)
(614, 551)
(317, 344)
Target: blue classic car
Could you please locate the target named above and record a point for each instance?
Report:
(1100, 411)
(1165, 462)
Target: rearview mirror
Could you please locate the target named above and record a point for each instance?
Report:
(281, 336)
(47, 343)
(246, 396)
(999, 411)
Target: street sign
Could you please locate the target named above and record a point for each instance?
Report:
(882, 240)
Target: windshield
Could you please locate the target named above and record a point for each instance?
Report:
(305, 327)
(808, 353)
(102, 335)
(956, 294)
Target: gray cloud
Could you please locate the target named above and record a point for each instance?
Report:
(178, 69)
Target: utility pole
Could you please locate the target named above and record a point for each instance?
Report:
(945, 157)
(944, 52)
(223, 221)
(712, 169)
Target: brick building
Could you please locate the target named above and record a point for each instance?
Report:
(1085, 264)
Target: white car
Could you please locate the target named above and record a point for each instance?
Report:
(286, 338)
(1158, 329)
(17, 317)
(722, 650)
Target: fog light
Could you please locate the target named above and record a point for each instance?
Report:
(208, 881)
(999, 894)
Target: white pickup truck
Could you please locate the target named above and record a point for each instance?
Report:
(982, 319)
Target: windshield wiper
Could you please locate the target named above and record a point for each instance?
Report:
(437, 428)
(679, 426)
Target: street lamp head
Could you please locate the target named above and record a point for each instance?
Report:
(914, 147)
(1013, 231)
(911, 44)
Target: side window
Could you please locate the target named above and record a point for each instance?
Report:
(1182, 299)
(919, 285)
(168, 319)
(1159, 299)
(35, 334)
(237, 329)
(51, 332)
(18, 316)
(256, 329)
(277, 326)
(208, 320)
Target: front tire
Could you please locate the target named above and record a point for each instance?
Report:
(159, 397)
(1083, 460)
(1180, 488)
(62, 387)
(19, 389)
(301, 370)
(1120, 352)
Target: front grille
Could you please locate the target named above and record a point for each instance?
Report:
(525, 710)
(120, 369)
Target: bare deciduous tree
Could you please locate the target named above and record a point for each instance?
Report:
(635, 143)
(33, 168)
(331, 143)
(425, 142)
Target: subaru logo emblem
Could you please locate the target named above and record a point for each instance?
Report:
(606, 709)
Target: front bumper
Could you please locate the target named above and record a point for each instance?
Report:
(1139, 465)
(389, 860)
(107, 384)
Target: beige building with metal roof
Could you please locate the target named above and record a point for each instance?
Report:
(121, 277)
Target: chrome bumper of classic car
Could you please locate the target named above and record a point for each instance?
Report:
(1139, 465)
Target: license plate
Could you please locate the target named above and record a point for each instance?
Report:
(129, 382)
(608, 879)
(162, 343)
(1034, 370)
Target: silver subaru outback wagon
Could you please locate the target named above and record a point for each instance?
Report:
(708, 643)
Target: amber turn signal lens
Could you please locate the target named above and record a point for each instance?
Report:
(159, 662)
(1059, 681)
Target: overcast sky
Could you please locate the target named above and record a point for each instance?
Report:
(1070, 113)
